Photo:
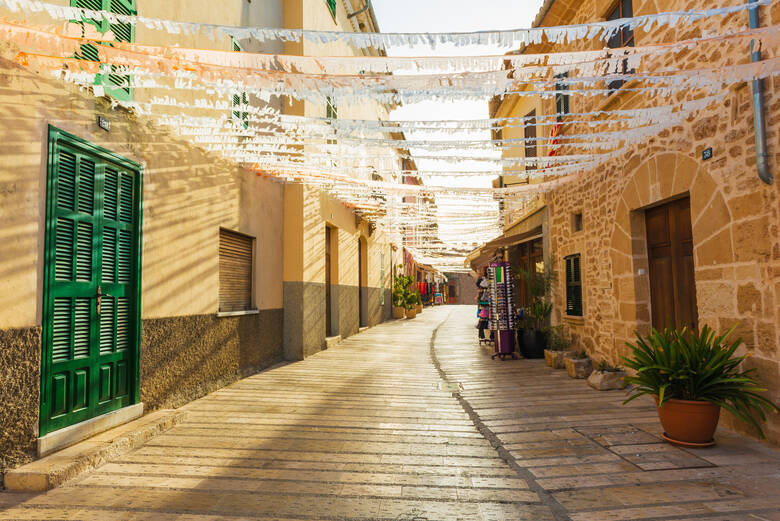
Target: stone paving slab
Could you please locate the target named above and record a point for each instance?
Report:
(412, 421)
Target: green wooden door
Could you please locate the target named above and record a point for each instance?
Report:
(92, 276)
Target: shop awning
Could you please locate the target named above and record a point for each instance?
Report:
(482, 255)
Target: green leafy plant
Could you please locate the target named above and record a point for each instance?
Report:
(606, 367)
(402, 288)
(558, 339)
(684, 365)
(539, 284)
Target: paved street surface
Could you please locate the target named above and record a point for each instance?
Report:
(412, 421)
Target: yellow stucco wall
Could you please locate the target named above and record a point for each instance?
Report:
(188, 195)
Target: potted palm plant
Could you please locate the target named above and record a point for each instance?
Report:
(692, 376)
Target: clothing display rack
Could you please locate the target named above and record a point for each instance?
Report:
(503, 320)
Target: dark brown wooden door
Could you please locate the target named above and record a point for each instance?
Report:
(670, 252)
(328, 326)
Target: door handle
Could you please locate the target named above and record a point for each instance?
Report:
(99, 295)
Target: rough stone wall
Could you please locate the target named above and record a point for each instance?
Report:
(20, 377)
(734, 215)
(184, 358)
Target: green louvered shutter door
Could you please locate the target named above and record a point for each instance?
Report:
(117, 281)
(89, 353)
(72, 285)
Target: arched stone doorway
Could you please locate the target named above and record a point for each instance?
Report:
(659, 180)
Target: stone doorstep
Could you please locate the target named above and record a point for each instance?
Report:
(332, 341)
(53, 470)
(63, 438)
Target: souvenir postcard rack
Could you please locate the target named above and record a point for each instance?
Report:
(503, 320)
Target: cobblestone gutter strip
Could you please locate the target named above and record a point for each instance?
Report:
(560, 513)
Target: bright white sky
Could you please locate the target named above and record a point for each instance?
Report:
(451, 16)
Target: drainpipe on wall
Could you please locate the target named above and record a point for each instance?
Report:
(759, 118)
(352, 15)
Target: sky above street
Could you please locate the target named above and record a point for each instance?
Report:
(451, 16)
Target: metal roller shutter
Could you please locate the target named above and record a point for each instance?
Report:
(235, 271)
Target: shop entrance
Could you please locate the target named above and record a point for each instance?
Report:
(92, 272)
(670, 255)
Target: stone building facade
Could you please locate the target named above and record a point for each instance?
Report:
(603, 215)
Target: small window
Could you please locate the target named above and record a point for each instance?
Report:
(562, 98)
(623, 38)
(573, 286)
(236, 257)
(332, 8)
(576, 222)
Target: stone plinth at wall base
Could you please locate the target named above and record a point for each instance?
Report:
(332, 341)
(579, 367)
(606, 380)
(68, 436)
(555, 359)
(53, 470)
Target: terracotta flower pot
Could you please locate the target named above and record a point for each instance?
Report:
(398, 312)
(691, 422)
(419, 308)
(411, 312)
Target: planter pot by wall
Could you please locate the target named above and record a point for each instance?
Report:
(689, 422)
(398, 312)
(534, 343)
(411, 313)
(606, 380)
(419, 308)
(579, 367)
(555, 359)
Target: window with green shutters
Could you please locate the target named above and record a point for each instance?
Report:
(573, 286)
(240, 99)
(116, 85)
(332, 7)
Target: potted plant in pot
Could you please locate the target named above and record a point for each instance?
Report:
(578, 365)
(411, 306)
(692, 376)
(558, 344)
(400, 290)
(535, 331)
(607, 377)
(418, 301)
(537, 313)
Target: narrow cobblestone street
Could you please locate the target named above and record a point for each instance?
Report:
(412, 421)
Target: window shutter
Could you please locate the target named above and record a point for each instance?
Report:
(117, 85)
(235, 271)
(573, 286)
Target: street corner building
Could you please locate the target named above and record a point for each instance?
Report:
(140, 270)
(678, 230)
